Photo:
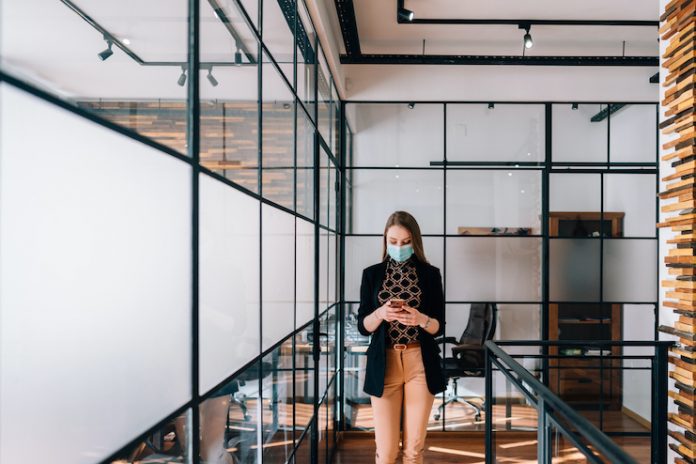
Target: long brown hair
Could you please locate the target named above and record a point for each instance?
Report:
(408, 222)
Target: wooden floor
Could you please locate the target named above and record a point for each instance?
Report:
(468, 448)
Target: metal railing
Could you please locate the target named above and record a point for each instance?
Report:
(554, 414)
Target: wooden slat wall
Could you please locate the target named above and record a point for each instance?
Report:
(678, 201)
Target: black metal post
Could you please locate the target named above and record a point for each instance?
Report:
(488, 404)
(658, 414)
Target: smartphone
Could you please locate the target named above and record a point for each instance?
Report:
(396, 303)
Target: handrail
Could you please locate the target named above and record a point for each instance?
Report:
(597, 439)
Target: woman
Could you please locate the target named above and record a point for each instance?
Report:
(401, 306)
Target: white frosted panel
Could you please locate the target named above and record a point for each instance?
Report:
(473, 132)
(278, 274)
(305, 272)
(575, 192)
(362, 252)
(394, 134)
(95, 285)
(574, 269)
(378, 193)
(323, 269)
(575, 137)
(633, 131)
(630, 270)
(493, 199)
(635, 195)
(638, 324)
(229, 281)
(493, 269)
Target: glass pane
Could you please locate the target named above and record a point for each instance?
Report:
(229, 95)
(278, 268)
(167, 444)
(493, 269)
(418, 192)
(321, 435)
(474, 132)
(304, 449)
(575, 206)
(334, 192)
(336, 121)
(332, 297)
(229, 419)
(579, 133)
(638, 323)
(323, 269)
(133, 69)
(229, 281)
(305, 272)
(387, 134)
(324, 191)
(630, 270)
(278, 129)
(107, 244)
(251, 7)
(633, 134)
(634, 195)
(305, 165)
(324, 97)
(493, 202)
(306, 59)
(362, 252)
(574, 270)
(304, 381)
(278, 33)
(278, 433)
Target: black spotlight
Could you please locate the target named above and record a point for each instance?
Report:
(411, 105)
(402, 13)
(182, 78)
(108, 52)
(528, 42)
(211, 78)
(238, 58)
(575, 106)
(491, 106)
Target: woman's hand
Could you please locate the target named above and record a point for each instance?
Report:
(387, 312)
(410, 316)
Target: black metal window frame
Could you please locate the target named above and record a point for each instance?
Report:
(546, 168)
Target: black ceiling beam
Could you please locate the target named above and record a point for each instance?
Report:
(349, 26)
(503, 60)
(545, 22)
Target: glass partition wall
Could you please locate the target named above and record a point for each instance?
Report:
(546, 210)
(180, 161)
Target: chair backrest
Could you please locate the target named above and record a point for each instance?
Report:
(481, 325)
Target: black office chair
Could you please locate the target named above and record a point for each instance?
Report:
(469, 357)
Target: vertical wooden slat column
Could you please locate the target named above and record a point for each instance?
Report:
(678, 203)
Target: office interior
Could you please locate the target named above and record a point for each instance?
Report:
(190, 189)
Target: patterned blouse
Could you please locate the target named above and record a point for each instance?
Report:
(401, 281)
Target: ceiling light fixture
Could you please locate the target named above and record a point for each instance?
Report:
(575, 106)
(491, 106)
(402, 13)
(238, 55)
(108, 52)
(182, 78)
(411, 105)
(211, 78)
(528, 42)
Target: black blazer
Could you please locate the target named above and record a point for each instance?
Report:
(432, 304)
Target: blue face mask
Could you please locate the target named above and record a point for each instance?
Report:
(401, 253)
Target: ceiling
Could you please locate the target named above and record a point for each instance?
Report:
(379, 33)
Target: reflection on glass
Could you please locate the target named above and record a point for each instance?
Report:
(134, 67)
(304, 449)
(388, 134)
(418, 192)
(324, 187)
(229, 94)
(473, 132)
(357, 408)
(324, 90)
(579, 133)
(574, 270)
(278, 26)
(168, 444)
(493, 202)
(321, 432)
(277, 138)
(229, 419)
(277, 399)
(493, 269)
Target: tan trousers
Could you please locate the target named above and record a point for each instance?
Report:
(404, 383)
